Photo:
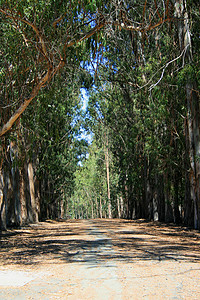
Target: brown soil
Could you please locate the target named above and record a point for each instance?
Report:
(101, 259)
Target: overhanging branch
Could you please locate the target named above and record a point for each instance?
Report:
(24, 105)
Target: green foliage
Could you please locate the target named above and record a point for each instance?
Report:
(137, 99)
(188, 74)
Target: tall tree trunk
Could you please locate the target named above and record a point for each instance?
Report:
(16, 195)
(3, 222)
(97, 208)
(33, 205)
(126, 204)
(105, 209)
(118, 207)
(100, 208)
(92, 209)
(161, 197)
(66, 208)
(147, 197)
(131, 201)
(122, 206)
(177, 217)
(194, 149)
(61, 216)
(12, 183)
(168, 206)
(188, 206)
(108, 177)
(24, 213)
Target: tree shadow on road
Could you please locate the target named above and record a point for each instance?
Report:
(98, 242)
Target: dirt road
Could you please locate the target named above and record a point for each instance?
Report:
(100, 259)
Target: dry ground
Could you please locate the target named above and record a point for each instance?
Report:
(100, 259)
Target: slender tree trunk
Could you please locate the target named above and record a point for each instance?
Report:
(108, 178)
(131, 201)
(188, 206)
(118, 208)
(168, 207)
(147, 198)
(194, 150)
(92, 209)
(122, 206)
(97, 208)
(3, 213)
(61, 208)
(33, 208)
(16, 195)
(100, 208)
(161, 197)
(66, 209)
(126, 213)
(105, 209)
(177, 217)
(24, 213)
(86, 213)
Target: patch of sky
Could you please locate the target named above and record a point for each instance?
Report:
(84, 98)
(84, 134)
(90, 66)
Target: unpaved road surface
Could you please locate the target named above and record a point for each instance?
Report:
(100, 259)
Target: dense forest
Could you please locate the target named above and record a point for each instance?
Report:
(99, 110)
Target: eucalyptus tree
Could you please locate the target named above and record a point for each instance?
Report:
(139, 40)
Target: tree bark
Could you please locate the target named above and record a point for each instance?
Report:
(194, 149)
(122, 206)
(23, 203)
(61, 216)
(177, 217)
(161, 197)
(108, 176)
(168, 206)
(3, 223)
(118, 208)
(100, 207)
(33, 207)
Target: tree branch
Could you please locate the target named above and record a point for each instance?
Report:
(35, 29)
(24, 105)
(50, 73)
(167, 64)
